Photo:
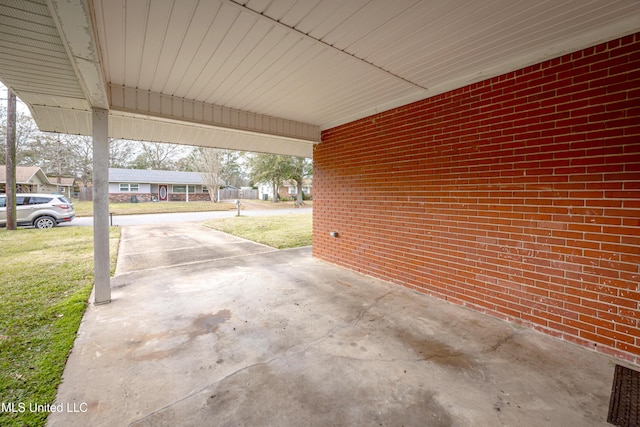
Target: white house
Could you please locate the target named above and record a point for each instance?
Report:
(289, 188)
(144, 185)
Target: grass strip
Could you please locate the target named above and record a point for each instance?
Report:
(279, 231)
(86, 208)
(45, 282)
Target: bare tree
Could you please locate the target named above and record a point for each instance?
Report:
(157, 155)
(121, 152)
(26, 131)
(50, 151)
(81, 150)
(208, 163)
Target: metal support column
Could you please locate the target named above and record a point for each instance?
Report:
(10, 157)
(101, 206)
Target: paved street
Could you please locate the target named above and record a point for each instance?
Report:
(172, 218)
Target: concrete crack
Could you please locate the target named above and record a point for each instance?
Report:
(502, 341)
(197, 392)
(354, 322)
(361, 314)
(192, 263)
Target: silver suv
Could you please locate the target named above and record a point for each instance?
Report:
(38, 210)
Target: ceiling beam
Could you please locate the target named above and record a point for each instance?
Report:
(146, 103)
(76, 29)
(306, 36)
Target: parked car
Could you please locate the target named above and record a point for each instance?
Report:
(38, 210)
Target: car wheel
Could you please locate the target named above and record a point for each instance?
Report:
(44, 222)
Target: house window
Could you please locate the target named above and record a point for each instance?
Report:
(183, 189)
(129, 188)
(293, 190)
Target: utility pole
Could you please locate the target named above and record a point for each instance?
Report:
(58, 165)
(10, 187)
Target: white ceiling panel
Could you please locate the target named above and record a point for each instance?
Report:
(124, 125)
(33, 58)
(190, 48)
(304, 65)
(298, 11)
(332, 15)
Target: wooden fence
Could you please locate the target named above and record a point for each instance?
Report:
(229, 193)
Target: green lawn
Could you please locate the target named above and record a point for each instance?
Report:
(281, 231)
(86, 208)
(46, 279)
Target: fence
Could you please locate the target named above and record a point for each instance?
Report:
(229, 193)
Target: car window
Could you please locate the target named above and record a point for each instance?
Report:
(64, 200)
(39, 200)
(3, 202)
(21, 200)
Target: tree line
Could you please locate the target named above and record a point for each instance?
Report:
(62, 155)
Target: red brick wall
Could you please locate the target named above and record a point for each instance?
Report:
(126, 197)
(193, 197)
(518, 196)
(148, 197)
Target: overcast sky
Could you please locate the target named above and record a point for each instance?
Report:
(21, 106)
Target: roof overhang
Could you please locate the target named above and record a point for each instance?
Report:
(269, 76)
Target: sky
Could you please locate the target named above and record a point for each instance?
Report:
(20, 106)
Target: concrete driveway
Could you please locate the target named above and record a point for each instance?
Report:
(206, 329)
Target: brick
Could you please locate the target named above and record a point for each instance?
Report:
(631, 330)
(597, 338)
(518, 196)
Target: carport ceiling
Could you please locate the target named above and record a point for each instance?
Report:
(270, 75)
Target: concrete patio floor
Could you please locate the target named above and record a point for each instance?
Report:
(207, 329)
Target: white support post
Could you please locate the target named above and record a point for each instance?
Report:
(102, 292)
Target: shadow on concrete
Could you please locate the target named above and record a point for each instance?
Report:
(209, 329)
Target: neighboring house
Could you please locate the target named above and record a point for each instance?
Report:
(288, 189)
(65, 186)
(144, 185)
(31, 179)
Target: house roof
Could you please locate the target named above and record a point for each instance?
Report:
(65, 181)
(154, 176)
(271, 75)
(24, 174)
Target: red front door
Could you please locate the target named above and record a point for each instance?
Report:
(162, 193)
